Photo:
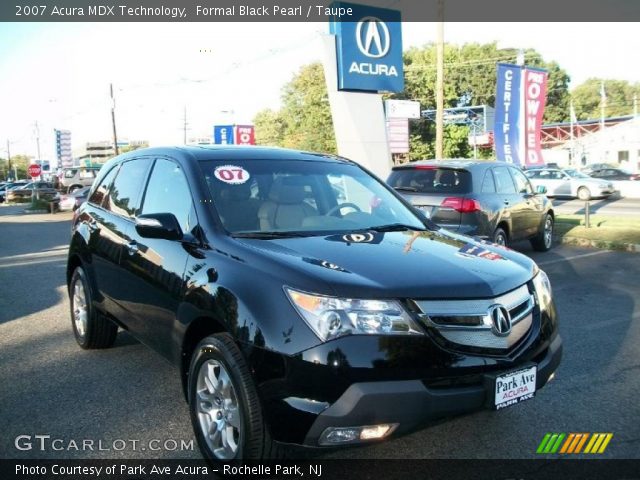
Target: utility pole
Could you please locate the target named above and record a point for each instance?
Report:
(37, 139)
(184, 125)
(603, 103)
(8, 159)
(635, 104)
(440, 82)
(113, 120)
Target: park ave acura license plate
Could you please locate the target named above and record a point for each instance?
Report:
(515, 387)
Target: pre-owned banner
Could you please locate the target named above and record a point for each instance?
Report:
(535, 94)
(507, 115)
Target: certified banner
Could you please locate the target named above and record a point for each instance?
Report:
(507, 134)
(535, 95)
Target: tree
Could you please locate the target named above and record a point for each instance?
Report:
(304, 121)
(619, 98)
(470, 79)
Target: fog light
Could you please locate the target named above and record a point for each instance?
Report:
(337, 435)
(378, 431)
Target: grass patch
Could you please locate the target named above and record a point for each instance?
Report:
(619, 230)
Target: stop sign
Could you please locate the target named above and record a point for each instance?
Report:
(34, 170)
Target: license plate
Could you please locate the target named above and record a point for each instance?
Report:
(515, 387)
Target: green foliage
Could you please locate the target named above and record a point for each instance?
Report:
(19, 161)
(304, 121)
(619, 98)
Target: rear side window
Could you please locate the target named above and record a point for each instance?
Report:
(99, 193)
(522, 183)
(124, 196)
(504, 183)
(488, 185)
(431, 180)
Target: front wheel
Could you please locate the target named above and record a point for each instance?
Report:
(543, 240)
(500, 237)
(225, 409)
(584, 193)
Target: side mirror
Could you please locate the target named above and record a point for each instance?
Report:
(159, 225)
(541, 189)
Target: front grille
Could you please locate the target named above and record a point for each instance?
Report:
(467, 322)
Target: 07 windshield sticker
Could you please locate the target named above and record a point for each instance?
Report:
(231, 174)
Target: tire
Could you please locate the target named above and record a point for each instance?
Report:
(543, 241)
(500, 237)
(91, 329)
(584, 193)
(220, 382)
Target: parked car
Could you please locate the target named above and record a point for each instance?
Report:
(8, 186)
(570, 183)
(614, 174)
(22, 193)
(491, 200)
(297, 318)
(77, 177)
(71, 201)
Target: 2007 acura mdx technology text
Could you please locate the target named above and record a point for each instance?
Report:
(303, 300)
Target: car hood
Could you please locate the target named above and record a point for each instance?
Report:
(431, 264)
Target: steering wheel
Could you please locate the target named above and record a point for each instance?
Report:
(340, 206)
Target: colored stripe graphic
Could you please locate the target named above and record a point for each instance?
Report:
(573, 443)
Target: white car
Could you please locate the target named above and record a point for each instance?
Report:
(570, 183)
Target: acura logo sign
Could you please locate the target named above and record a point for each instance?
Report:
(372, 37)
(500, 320)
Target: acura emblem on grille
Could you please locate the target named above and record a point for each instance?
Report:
(500, 320)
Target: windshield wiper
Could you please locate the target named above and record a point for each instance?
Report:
(271, 234)
(395, 227)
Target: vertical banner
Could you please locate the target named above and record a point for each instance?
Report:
(245, 135)
(535, 95)
(507, 115)
(223, 134)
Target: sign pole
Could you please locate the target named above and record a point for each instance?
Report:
(440, 82)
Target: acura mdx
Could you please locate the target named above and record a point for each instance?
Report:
(302, 300)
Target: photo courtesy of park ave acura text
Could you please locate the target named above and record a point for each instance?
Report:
(287, 239)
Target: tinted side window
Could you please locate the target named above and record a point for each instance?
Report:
(504, 183)
(124, 196)
(488, 185)
(522, 184)
(168, 192)
(99, 193)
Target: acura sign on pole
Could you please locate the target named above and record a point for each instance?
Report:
(369, 50)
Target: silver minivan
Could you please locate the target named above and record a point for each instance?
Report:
(75, 178)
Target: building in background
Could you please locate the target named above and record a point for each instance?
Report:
(585, 142)
(99, 152)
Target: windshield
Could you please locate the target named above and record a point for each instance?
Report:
(303, 197)
(575, 174)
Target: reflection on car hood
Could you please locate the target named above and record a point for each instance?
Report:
(402, 264)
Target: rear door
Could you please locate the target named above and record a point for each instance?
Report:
(507, 194)
(529, 205)
(109, 217)
(437, 191)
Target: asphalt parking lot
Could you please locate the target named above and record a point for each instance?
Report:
(49, 386)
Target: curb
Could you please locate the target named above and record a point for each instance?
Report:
(602, 244)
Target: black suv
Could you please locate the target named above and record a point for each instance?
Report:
(302, 299)
(491, 200)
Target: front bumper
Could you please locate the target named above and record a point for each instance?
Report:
(411, 404)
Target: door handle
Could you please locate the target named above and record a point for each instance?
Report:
(132, 247)
(506, 202)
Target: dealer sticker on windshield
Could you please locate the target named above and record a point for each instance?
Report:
(231, 174)
(515, 387)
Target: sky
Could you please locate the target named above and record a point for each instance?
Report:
(58, 74)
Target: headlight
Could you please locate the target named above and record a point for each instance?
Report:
(542, 287)
(331, 317)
